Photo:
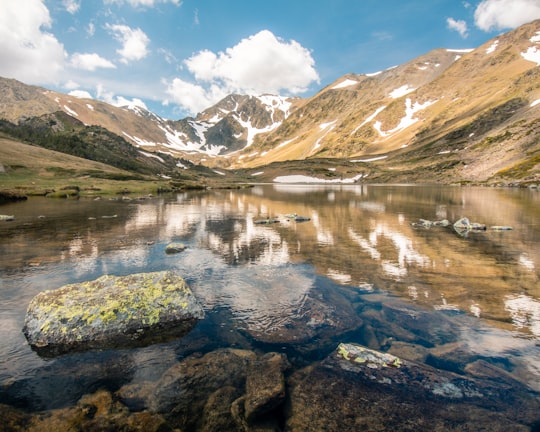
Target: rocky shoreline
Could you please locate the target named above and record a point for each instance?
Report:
(353, 388)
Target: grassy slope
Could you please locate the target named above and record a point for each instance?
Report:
(35, 170)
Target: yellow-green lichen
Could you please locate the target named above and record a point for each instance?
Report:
(137, 297)
(373, 359)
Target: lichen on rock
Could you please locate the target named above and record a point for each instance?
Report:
(111, 312)
(373, 359)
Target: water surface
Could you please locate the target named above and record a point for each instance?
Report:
(357, 271)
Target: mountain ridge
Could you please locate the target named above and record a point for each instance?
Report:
(451, 116)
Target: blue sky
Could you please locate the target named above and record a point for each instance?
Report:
(178, 57)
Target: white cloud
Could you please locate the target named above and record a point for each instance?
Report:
(147, 3)
(261, 63)
(71, 85)
(134, 42)
(458, 25)
(90, 62)
(27, 51)
(81, 94)
(72, 6)
(90, 29)
(119, 101)
(193, 97)
(505, 14)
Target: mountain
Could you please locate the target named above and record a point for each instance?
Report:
(223, 128)
(463, 116)
(468, 116)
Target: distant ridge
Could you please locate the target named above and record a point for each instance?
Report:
(463, 116)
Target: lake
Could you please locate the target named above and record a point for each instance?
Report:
(362, 269)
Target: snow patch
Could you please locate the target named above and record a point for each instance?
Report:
(373, 74)
(298, 178)
(401, 91)
(532, 55)
(370, 118)
(284, 143)
(536, 38)
(252, 131)
(273, 102)
(376, 158)
(323, 126)
(152, 155)
(70, 111)
(345, 83)
(408, 120)
(492, 47)
(90, 107)
(329, 126)
(181, 165)
(534, 103)
(465, 50)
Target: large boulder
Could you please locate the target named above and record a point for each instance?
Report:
(377, 391)
(111, 312)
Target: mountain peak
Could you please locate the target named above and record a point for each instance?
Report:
(427, 103)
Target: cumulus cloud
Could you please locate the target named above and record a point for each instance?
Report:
(458, 25)
(90, 62)
(505, 14)
(119, 101)
(27, 51)
(193, 97)
(134, 42)
(261, 63)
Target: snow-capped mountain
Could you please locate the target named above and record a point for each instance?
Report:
(230, 125)
(449, 115)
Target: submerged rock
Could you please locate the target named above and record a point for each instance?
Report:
(265, 385)
(378, 391)
(111, 312)
(173, 248)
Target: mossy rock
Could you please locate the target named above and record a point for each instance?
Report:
(111, 312)
(173, 248)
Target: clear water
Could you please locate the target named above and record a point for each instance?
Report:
(357, 271)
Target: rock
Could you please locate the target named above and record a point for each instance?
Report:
(267, 221)
(265, 385)
(111, 312)
(11, 196)
(226, 389)
(173, 248)
(377, 391)
(463, 226)
(428, 224)
(183, 390)
(98, 412)
(217, 414)
(12, 419)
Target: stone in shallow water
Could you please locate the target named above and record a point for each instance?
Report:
(173, 248)
(378, 391)
(111, 312)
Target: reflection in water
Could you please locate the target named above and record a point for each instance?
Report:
(525, 312)
(274, 281)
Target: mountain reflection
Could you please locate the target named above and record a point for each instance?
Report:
(359, 236)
